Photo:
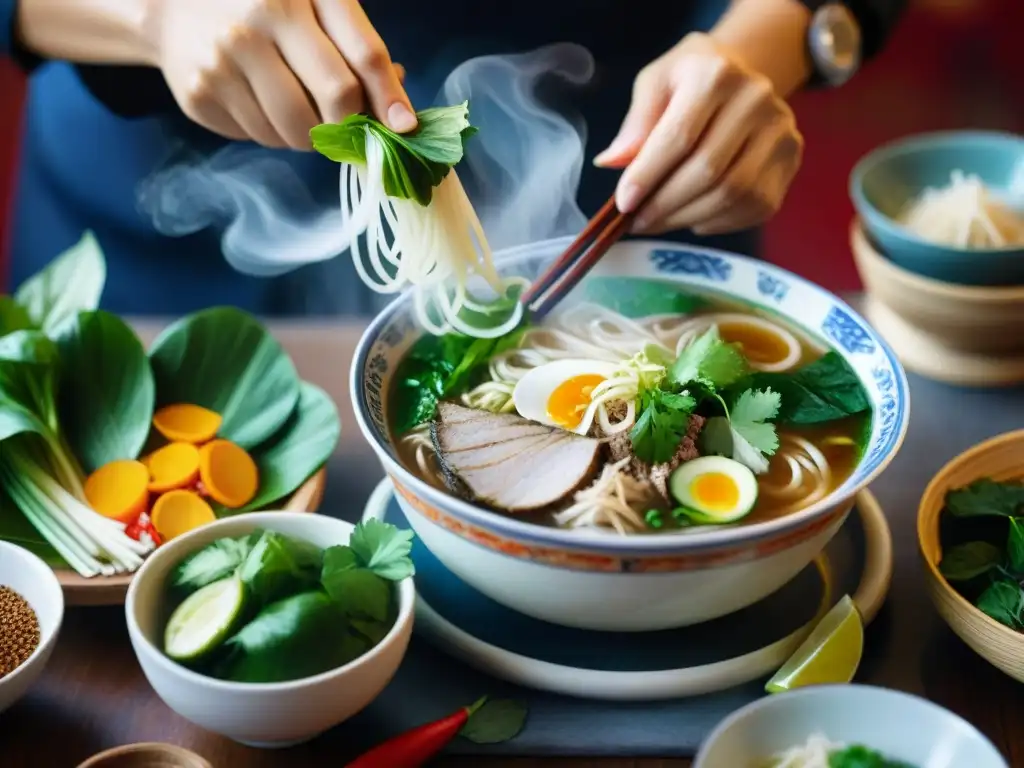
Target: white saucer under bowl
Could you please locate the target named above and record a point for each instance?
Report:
(633, 666)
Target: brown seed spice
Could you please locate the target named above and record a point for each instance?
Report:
(19, 631)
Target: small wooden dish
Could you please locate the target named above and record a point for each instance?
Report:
(147, 755)
(110, 590)
(962, 335)
(1001, 458)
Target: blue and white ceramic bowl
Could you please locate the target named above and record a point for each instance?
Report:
(597, 581)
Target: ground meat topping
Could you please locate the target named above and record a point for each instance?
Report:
(620, 446)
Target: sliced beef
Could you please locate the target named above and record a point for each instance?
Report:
(508, 462)
(620, 446)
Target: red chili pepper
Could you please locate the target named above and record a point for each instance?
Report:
(413, 748)
(142, 524)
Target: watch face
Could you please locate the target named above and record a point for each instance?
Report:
(835, 42)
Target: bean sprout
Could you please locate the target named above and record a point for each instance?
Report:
(610, 502)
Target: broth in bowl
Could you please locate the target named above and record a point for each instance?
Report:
(633, 420)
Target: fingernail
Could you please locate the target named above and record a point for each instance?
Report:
(628, 197)
(401, 118)
(615, 148)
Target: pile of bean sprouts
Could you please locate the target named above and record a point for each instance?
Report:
(813, 753)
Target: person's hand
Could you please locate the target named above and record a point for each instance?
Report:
(269, 70)
(709, 137)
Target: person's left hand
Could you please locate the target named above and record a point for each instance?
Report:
(710, 137)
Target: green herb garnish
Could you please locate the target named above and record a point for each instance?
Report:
(414, 163)
(861, 757)
(663, 422)
(710, 362)
(744, 433)
(987, 563)
(826, 390)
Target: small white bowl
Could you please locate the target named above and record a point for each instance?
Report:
(35, 581)
(259, 714)
(900, 726)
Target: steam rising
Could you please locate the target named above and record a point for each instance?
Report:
(522, 172)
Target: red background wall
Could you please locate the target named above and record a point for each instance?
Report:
(951, 64)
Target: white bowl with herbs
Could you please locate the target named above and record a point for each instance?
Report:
(31, 612)
(270, 628)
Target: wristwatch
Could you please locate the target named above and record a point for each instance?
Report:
(834, 41)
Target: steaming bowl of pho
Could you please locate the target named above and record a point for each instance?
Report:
(676, 441)
(948, 206)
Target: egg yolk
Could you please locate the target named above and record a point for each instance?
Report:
(570, 399)
(715, 491)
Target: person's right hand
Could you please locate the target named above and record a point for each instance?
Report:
(269, 70)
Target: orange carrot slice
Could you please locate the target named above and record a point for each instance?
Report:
(228, 473)
(119, 490)
(186, 423)
(176, 465)
(178, 512)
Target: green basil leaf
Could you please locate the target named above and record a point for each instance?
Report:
(967, 561)
(299, 448)
(296, 637)
(106, 390)
(986, 498)
(825, 390)
(1003, 600)
(279, 565)
(1015, 547)
(225, 360)
(71, 283)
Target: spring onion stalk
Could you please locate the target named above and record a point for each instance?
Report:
(89, 542)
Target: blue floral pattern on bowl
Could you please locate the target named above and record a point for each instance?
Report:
(697, 271)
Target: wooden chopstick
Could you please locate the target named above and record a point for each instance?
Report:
(600, 234)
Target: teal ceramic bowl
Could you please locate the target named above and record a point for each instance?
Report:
(884, 181)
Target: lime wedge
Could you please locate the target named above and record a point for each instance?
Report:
(830, 654)
(204, 620)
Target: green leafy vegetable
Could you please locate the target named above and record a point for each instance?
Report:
(826, 390)
(1015, 547)
(967, 561)
(278, 566)
(984, 498)
(495, 721)
(861, 757)
(299, 448)
(211, 563)
(1003, 600)
(71, 283)
(360, 592)
(643, 299)
(414, 163)
(663, 422)
(296, 637)
(225, 360)
(383, 549)
(744, 434)
(710, 362)
(106, 388)
(13, 316)
(437, 367)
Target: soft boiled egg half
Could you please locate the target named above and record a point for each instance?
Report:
(714, 489)
(559, 393)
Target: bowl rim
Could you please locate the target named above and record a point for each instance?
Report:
(865, 251)
(406, 592)
(908, 145)
(928, 523)
(46, 574)
(598, 541)
(827, 691)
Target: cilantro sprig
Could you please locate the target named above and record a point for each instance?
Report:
(745, 433)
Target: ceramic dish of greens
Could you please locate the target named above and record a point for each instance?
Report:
(110, 449)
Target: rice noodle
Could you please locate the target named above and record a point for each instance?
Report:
(610, 503)
(963, 214)
(435, 249)
(809, 475)
(813, 753)
(418, 441)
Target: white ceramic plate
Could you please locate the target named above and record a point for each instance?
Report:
(649, 665)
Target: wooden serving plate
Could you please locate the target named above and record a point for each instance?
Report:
(111, 590)
(147, 755)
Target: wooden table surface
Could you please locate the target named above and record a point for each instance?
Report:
(93, 695)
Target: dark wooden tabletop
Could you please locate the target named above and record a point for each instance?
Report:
(93, 695)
